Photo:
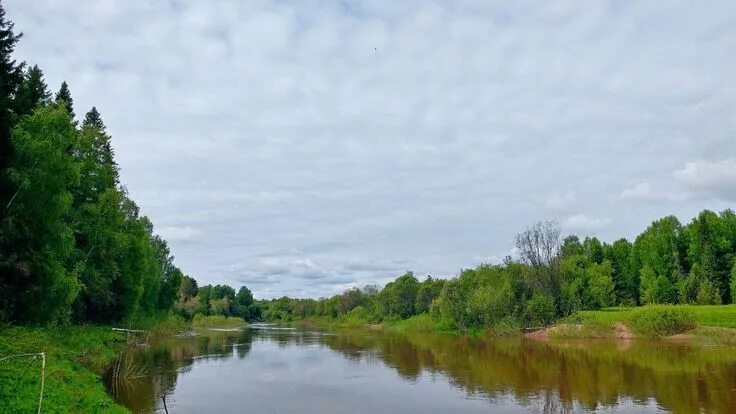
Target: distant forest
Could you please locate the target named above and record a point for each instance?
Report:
(553, 277)
(74, 247)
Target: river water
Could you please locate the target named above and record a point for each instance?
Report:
(269, 369)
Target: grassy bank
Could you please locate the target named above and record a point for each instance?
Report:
(76, 356)
(712, 323)
(721, 316)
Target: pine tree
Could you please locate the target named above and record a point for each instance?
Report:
(32, 92)
(93, 120)
(102, 149)
(65, 96)
(11, 75)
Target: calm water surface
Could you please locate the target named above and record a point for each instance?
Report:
(266, 369)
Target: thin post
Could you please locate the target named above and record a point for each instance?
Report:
(43, 376)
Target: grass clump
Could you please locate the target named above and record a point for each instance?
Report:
(662, 320)
(217, 321)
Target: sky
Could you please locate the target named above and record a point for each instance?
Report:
(305, 147)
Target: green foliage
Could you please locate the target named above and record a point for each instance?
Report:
(36, 233)
(625, 279)
(540, 309)
(11, 74)
(708, 293)
(733, 281)
(398, 298)
(72, 244)
(32, 92)
(600, 285)
(217, 321)
(688, 287)
(661, 320)
(711, 247)
(656, 289)
(64, 99)
(660, 248)
(590, 274)
(76, 356)
(429, 290)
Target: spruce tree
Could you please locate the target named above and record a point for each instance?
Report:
(11, 75)
(102, 148)
(93, 120)
(32, 92)
(64, 96)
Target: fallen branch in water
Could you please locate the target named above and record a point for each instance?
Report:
(163, 397)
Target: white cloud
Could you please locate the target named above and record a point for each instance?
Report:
(641, 191)
(716, 177)
(584, 225)
(561, 201)
(646, 192)
(176, 234)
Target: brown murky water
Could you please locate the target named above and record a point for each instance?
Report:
(266, 369)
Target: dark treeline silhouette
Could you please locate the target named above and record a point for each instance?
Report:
(552, 277)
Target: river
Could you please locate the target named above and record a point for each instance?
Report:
(270, 369)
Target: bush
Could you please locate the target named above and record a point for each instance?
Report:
(359, 313)
(540, 309)
(708, 293)
(662, 320)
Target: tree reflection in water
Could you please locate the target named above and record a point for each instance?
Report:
(543, 377)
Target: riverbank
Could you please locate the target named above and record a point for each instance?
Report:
(714, 324)
(76, 358)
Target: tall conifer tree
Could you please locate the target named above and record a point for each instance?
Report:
(32, 92)
(65, 96)
(11, 75)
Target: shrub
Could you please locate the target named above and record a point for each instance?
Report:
(708, 293)
(662, 320)
(359, 313)
(540, 309)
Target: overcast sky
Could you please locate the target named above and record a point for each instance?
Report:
(304, 147)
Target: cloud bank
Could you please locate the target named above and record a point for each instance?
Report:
(302, 147)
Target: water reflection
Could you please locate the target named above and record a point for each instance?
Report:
(289, 370)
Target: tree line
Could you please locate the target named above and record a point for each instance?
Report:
(75, 248)
(215, 300)
(552, 277)
(73, 245)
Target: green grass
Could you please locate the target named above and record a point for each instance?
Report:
(76, 356)
(721, 316)
(217, 321)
